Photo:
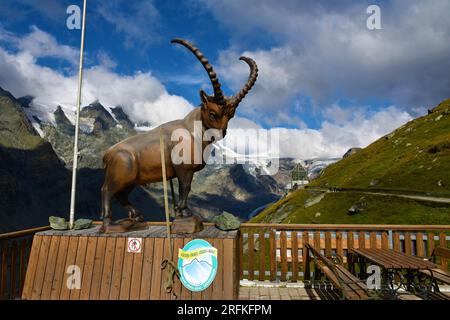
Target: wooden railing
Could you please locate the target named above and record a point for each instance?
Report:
(275, 251)
(279, 257)
(14, 251)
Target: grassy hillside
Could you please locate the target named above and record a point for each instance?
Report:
(415, 158)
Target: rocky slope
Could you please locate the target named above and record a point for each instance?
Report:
(414, 159)
(98, 131)
(28, 164)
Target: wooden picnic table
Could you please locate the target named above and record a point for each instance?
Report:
(397, 267)
(390, 259)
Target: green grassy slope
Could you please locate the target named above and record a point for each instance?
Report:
(415, 158)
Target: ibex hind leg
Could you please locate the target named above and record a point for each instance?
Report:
(133, 213)
(107, 195)
(120, 173)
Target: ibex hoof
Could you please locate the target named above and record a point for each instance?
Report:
(178, 212)
(134, 214)
(186, 212)
(106, 222)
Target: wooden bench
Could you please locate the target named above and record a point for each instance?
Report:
(350, 287)
(437, 273)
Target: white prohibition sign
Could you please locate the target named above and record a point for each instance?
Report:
(134, 245)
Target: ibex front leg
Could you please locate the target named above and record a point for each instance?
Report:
(184, 176)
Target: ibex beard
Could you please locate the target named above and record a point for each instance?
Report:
(137, 160)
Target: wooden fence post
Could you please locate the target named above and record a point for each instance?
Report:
(272, 255)
(283, 254)
(294, 256)
(251, 253)
(262, 255)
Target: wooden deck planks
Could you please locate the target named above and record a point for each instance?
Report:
(147, 268)
(218, 288)
(156, 274)
(32, 266)
(99, 260)
(86, 271)
(136, 275)
(40, 268)
(166, 255)
(228, 262)
(70, 261)
(108, 268)
(50, 268)
(127, 270)
(116, 277)
(58, 276)
(79, 261)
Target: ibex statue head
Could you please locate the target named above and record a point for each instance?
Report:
(217, 109)
(136, 160)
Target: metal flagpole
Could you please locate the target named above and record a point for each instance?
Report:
(75, 144)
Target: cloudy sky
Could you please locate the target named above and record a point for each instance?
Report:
(326, 82)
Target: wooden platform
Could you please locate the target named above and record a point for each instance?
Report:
(110, 272)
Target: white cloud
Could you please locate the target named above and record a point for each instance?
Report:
(142, 96)
(324, 50)
(331, 140)
(105, 59)
(274, 86)
(40, 44)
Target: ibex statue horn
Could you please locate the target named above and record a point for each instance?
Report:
(218, 94)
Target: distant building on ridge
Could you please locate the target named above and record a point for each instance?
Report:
(299, 178)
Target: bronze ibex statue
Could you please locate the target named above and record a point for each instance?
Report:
(136, 160)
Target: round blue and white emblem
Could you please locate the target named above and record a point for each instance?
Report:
(197, 263)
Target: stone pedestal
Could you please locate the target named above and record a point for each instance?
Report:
(187, 225)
